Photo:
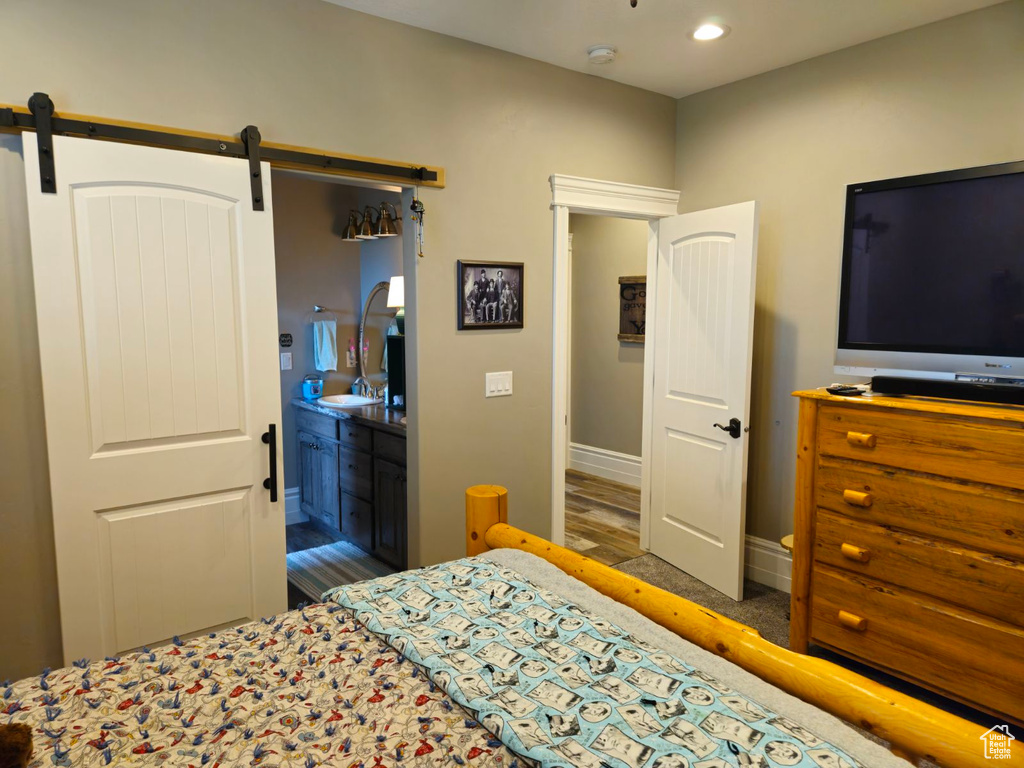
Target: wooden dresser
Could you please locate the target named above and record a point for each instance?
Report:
(909, 542)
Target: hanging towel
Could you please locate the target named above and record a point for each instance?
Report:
(325, 345)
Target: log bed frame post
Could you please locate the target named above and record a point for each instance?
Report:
(914, 730)
(486, 505)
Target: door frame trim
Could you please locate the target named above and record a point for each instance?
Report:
(572, 194)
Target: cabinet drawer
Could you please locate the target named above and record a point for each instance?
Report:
(976, 658)
(988, 584)
(355, 472)
(390, 447)
(323, 426)
(928, 506)
(357, 521)
(982, 451)
(355, 435)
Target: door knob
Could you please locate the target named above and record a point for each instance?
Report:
(734, 427)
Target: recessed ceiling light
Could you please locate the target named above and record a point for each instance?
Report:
(601, 54)
(710, 32)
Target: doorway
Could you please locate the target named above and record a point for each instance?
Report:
(339, 280)
(696, 381)
(606, 363)
(589, 197)
(158, 337)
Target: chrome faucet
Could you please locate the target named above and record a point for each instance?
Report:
(364, 385)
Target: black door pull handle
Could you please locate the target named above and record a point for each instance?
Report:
(270, 438)
(734, 428)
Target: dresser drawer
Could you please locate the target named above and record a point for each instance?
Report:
(355, 472)
(390, 447)
(324, 426)
(984, 583)
(944, 647)
(977, 517)
(980, 451)
(355, 435)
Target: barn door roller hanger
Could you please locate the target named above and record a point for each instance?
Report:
(42, 118)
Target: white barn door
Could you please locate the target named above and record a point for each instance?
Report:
(702, 342)
(156, 302)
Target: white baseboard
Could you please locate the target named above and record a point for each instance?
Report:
(611, 465)
(768, 563)
(292, 513)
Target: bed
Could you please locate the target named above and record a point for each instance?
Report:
(511, 657)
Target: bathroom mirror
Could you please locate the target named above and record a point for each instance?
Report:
(373, 329)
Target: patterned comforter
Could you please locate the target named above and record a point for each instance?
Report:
(308, 688)
(561, 686)
(343, 684)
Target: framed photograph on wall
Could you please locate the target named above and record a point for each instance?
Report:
(489, 294)
(632, 308)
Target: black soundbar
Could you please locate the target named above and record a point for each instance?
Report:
(1009, 394)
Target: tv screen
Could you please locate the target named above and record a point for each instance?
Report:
(936, 264)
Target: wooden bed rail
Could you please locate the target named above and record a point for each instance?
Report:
(915, 730)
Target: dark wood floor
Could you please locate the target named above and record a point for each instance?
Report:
(302, 536)
(602, 518)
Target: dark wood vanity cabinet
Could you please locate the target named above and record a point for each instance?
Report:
(355, 482)
(357, 521)
(318, 489)
(389, 487)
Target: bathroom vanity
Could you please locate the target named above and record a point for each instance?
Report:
(352, 475)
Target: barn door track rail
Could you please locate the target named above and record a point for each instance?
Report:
(41, 117)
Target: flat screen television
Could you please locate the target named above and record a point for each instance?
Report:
(933, 276)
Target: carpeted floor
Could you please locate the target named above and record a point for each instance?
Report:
(314, 571)
(763, 608)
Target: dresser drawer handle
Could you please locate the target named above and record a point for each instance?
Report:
(853, 621)
(853, 552)
(857, 498)
(861, 439)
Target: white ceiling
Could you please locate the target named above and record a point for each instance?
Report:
(655, 51)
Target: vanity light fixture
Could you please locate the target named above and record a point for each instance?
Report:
(385, 226)
(352, 228)
(366, 226)
(396, 298)
(709, 31)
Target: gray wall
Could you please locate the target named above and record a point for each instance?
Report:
(607, 374)
(314, 266)
(947, 95)
(380, 259)
(28, 586)
(498, 123)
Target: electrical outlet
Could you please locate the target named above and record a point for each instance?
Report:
(286, 361)
(498, 384)
(350, 358)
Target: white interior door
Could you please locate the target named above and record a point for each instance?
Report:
(156, 302)
(703, 323)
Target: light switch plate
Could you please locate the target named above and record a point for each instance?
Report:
(286, 361)
(498, 384)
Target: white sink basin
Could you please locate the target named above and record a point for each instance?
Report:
(347, 401)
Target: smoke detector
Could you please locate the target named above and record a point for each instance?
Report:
(601, 54)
